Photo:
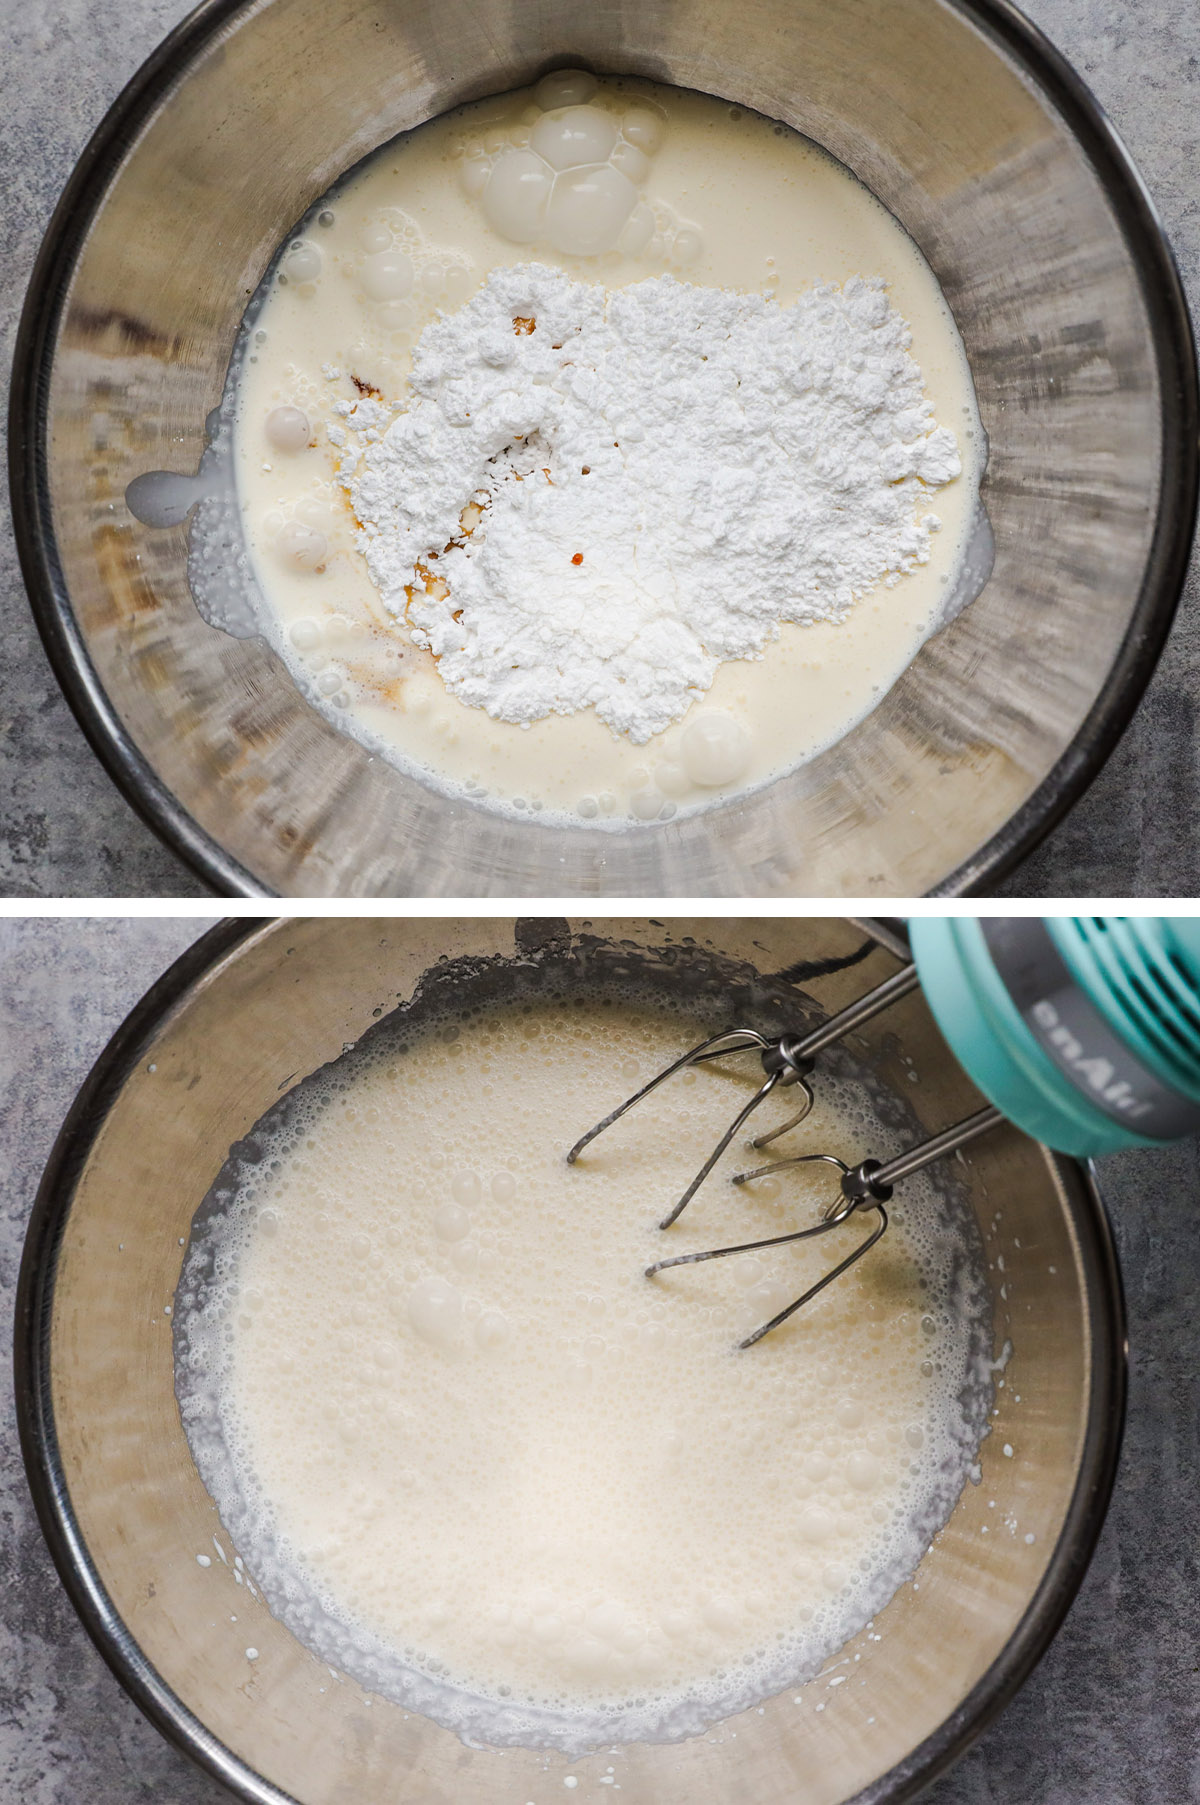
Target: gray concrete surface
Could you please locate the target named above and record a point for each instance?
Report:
(64, 829)
(1112, 1715)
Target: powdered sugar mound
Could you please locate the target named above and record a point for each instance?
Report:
(665, 472)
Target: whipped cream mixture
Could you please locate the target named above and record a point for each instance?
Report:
(727, 638)
(476, 1459)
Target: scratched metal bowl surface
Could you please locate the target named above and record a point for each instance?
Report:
(965, 123)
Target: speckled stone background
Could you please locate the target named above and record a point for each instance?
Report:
(1112, 1715)
(64, 828)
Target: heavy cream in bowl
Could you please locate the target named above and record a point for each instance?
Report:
(596, 452)
(474, 1458)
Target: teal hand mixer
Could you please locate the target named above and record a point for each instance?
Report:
(1083, 1031)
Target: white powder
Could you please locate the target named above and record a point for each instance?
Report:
(666, 473)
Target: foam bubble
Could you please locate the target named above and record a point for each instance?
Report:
(574, 136)
(303, 262)
(516, 195)
(288, 429)
(387, 275)
(715, 748)
(564, 88)
(643, 128)
(302, 545)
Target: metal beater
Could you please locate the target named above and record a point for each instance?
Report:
(787, 1062)
(1083, 1029)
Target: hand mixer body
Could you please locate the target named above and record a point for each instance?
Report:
(1084, 1031)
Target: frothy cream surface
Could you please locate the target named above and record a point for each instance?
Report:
(718, 196)
(474, 1457)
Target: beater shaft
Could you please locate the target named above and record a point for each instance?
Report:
(853, 1016)
(856, 1014)
(881, 1179)
(875, 1179)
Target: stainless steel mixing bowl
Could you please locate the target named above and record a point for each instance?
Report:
(247, 1013)
(960, 117)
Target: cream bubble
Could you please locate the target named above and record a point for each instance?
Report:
(302, 545)
(303, 263)
(465, 1188)
(564, 88)
(863, 1471)
(515, 199)
(573, 137)
(671, 778)
(504, 1187)
(606, 1620)
(304, 635)
(587, 210)
(451, 1222)
(721, 1614)
(644, 128)
(633, 163)
(767, 1187)
(492, 1331)
(465, 1255)
(435, 1312)
(816, 1524)
(288, 429)
(375, 237)
(715, 748)
(386, 275)
(766, 1301)
(473, 173)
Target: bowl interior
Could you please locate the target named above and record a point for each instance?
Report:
(127, 1515)
(987, 154)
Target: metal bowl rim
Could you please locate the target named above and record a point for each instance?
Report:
(103, 1622)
